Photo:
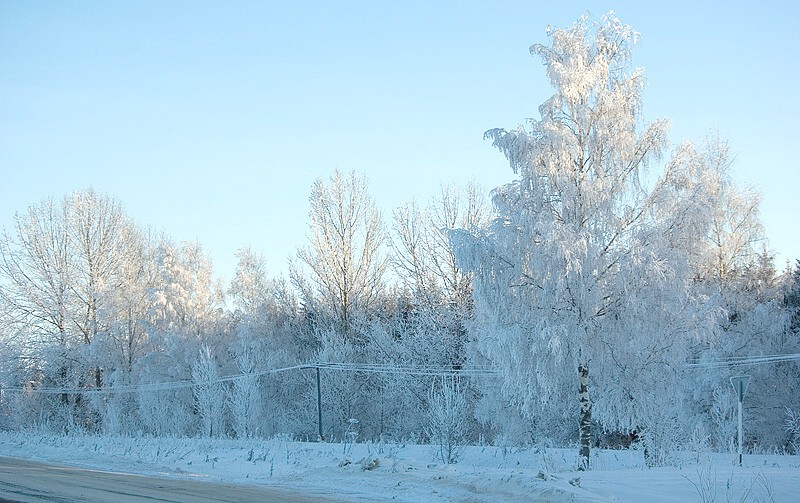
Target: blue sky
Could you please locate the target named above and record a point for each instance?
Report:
(211, 120)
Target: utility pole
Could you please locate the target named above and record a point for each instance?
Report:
(319, 408)
(740, 384)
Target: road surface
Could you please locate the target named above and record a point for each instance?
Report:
(28, 481)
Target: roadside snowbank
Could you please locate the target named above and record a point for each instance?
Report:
(408, 473)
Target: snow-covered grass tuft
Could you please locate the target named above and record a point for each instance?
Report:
(387, 471)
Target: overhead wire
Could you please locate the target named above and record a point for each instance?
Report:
(371, 368)
(735, 361)
(182, 384)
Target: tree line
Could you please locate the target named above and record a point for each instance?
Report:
(612, 287)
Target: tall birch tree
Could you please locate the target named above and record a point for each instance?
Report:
(64, 266)
(577, 250)
(345, 256)
(423, 258)
(438, 291)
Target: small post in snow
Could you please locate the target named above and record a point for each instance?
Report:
(740, 384)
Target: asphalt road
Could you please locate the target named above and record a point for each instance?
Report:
(28, 481)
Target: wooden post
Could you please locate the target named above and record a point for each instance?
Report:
(319, 408)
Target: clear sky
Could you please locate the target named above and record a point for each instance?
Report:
(211, 120)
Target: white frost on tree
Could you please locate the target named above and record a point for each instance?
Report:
(209, 392)
(188, 300)
(437, 292)
(345, 257)
(575, 272)
(245, 399)
(447, 419)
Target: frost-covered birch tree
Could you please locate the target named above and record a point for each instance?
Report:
(37, 276)
(127, 312)
(244, 398)
(250, 290)
(447, 417)
(188, 300)
(439, 291)
(209, 392)
(61, 274)
(345, 258)
(575, 272)
(423, 258)
(722, 231)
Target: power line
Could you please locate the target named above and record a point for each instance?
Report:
(377, 368)
(734, 361)
(183, 384)
(371, 368)
(162, 386)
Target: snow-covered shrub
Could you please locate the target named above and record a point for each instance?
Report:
(706, 485)
(350, 435)
(792, 425)
(699, 442)
(208, 392)
(346, 394)
(721, 416)
(245, 403)
(665, 430)
(120, 414)
(163, 412)
(244, 397)
(447, 415)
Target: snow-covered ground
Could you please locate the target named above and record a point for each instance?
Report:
(410, 473)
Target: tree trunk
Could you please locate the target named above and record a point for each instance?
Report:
(586, 416)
